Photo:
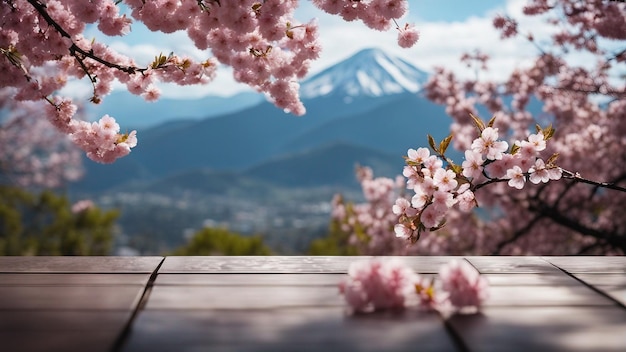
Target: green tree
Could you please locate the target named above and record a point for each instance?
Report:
(44, 224)
(219, 241)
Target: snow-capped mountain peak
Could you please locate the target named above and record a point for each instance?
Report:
(370, 72)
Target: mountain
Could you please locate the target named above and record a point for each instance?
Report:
(328, 165)
(393, 127)
(369, 73)
(390, 122)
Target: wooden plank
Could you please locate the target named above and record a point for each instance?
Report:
(513, 279)
(603, 279)
(79, 264)
(512, 264)
(255, 264)
(250, 279)
(616, 292)
(613, 285)
(70, 297)
(518, 296)
(310, 329)
(292, 303)
(597, 264)
(62, 320)
(543, 329)
(63, 279)
(58, 341)
(427, 264)
(242, 297)
(286, 264)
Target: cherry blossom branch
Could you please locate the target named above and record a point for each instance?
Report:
(617, 55)
(518, 233)
(439, 187)
(598, 89)
(41, 8)
(490, 181)
(566, 175)
(576, 177)
(617, 240)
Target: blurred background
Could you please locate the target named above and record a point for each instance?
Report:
(218, 169)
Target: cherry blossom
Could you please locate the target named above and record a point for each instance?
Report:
(584, 103)
(463, 284)
(441, 188)
(383, 283)
(489, 145)
(516, 177)
(418, 156)
(445, 180)
(378, 284)
(539, 173)
(407, 36)
(43, 47)
(472, 166)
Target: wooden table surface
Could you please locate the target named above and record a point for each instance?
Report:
(292, 304)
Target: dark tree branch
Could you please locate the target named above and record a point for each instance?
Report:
(519, 233)
(576, 177)
(41, 8)
(615, 239)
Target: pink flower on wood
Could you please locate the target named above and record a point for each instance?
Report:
(378, 284)
(463, 284)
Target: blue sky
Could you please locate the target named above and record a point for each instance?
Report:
(448, 29)
(449, 11)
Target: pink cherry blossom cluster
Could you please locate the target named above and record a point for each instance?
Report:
(507, 25)
(585, 102)
(380, 284)
(101, 141)
(42, 48)
(437, 188)
(523, 162)
(606, 18)
(436, 191)
(369, 225)
(463, 285)
(377, 14)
